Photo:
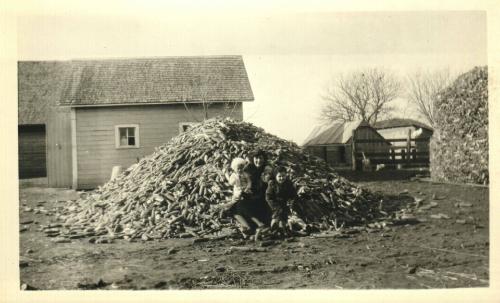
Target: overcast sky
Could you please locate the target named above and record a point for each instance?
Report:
(289, 57)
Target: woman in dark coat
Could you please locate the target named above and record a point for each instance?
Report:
(259, 174)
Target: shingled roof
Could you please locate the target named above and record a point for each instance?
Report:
(157, 80)
(398, 122)
(40, 86)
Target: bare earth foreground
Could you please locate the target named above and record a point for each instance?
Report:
(448, 248)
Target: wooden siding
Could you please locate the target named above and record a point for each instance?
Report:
(95, 134)
(318, 151)
(348, 155)
(32, 153)
(59, 167)
(335, 155)
(368, 133)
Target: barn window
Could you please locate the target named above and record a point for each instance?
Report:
(185, 126)
(127, 136)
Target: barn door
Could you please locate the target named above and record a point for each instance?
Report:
(59, 168)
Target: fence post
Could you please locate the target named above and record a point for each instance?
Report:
(353, 149)
(408, 145)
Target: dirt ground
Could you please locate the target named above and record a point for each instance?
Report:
(447, 247)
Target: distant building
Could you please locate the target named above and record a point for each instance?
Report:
(93, 115)
(333, 142)
(400, 128)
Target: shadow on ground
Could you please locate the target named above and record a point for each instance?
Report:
(383, 175)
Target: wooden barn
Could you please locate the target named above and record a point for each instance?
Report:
(107, 113)
(393, 129)
(333, 142)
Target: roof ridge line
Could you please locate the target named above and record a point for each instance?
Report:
(157, 57)
(136, 58)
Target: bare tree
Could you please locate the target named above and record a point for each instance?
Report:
(365, 95)
(423, 89)
(201, 87)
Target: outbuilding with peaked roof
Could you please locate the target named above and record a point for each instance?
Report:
(398, 128)
(333, 142)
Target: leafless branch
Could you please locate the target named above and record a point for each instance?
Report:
(362, 95)
(423, 89)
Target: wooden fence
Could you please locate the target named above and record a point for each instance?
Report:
(413, 153)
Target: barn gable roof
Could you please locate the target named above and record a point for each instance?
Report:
(325, 133)
(333, 133)
(40, 85)
(157, 80)
(398, 122)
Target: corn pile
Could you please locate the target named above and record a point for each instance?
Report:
(177, 191)
(459, 145)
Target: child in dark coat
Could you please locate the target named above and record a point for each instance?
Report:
(280, 192)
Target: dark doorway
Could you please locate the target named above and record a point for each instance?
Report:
(32, 151)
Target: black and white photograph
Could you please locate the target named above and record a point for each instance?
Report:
(188, 150)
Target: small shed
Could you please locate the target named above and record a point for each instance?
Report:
(107, 113)
(398, 128)
(333, 142)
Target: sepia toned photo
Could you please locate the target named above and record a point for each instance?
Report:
(291, 151)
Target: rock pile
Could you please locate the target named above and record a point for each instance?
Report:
(459, 145)
(177, 191)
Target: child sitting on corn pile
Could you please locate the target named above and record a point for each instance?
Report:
(280, 192)
(240, 206)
